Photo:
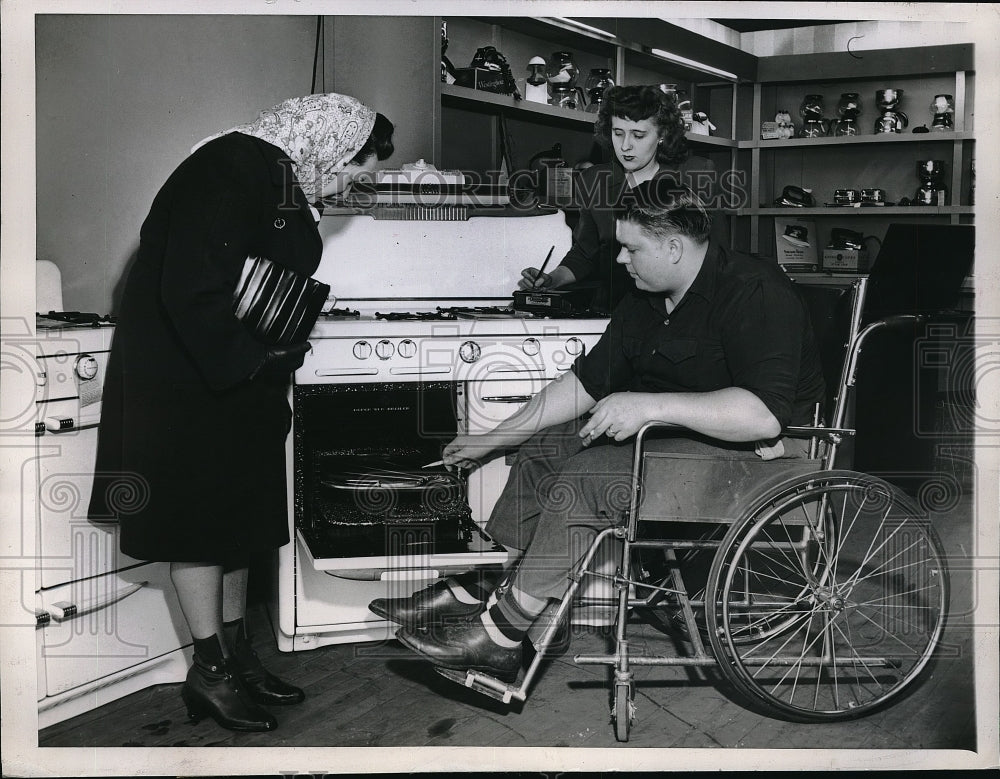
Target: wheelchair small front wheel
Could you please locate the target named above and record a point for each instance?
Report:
(840, 582)
(623, 712)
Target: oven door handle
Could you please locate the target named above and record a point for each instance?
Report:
(66, 610)
(514, 369)
(409, 575)
(346, 372)
(507, 398)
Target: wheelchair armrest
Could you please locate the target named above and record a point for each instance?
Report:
(640, 435)
(808, 431)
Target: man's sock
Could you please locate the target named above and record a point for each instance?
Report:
(508, 619)
(476, 586)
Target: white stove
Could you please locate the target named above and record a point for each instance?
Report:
(450, 341)
(412, 357)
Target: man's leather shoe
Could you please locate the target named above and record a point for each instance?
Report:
(432, 605)
(463, 646)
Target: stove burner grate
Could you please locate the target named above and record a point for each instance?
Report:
(417, 316)
(341, 313)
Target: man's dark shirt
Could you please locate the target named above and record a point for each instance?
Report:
(740, 324)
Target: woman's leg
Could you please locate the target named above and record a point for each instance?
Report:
(262, 686)
(234, 593)
(199, 590)
(210, 688)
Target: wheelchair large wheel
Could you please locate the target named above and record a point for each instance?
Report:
(828, 599)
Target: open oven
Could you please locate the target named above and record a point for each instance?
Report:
(378, 396)
(366, 504)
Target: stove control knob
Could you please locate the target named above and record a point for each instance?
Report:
(574, 346)
(384, 349)
(531, 347)
(406, 348)
(86, 367)
(469, 351)
(362, 350)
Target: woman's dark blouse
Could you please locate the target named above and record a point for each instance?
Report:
(741, 324)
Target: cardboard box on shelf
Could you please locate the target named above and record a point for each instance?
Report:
(795, 243)
(845, 260)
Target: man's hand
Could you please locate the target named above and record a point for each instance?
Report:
(620, 415)
(470, 451)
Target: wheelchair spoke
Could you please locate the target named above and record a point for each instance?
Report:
(828, 600)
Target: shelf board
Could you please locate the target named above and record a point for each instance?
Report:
(840, 279)
(711, 140)
(850, 140)
(871, 211)
(470, 96)
(478, 97)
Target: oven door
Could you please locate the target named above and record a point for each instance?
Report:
(365, 505)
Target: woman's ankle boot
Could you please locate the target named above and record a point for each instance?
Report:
(260, 684)
(212, 689)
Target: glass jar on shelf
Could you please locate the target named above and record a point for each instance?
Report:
(597, 83)
(943, 107)
(811, 110)
(848, 111)
(561, 74)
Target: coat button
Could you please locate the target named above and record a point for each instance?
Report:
(279, 223)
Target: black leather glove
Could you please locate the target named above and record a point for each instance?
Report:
(280, 361)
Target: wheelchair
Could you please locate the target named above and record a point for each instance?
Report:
(819, 594)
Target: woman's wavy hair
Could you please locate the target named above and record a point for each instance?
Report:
(379, 142)
(644, 102)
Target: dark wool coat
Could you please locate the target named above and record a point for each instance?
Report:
(191, 452)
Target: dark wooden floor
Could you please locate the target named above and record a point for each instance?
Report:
(381, 695)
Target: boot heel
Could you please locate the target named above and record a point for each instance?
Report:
(195, 708)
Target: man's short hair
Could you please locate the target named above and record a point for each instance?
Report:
(662, 207)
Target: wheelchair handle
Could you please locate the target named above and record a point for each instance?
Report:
(898, 320)
(894, 321)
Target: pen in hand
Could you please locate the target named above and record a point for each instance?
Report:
(541, 271)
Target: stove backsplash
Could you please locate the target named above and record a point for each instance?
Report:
(482, 257)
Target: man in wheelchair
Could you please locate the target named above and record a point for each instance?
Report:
(716, 343)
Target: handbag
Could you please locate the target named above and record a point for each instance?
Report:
(278, 305)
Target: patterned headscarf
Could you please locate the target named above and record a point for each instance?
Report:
(319, 133)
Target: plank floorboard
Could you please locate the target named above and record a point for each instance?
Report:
(381, 695)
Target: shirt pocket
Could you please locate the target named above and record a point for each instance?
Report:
(678, 350)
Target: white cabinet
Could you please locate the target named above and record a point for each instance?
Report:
(106, 624)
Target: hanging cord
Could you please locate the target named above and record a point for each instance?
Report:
(316, 55)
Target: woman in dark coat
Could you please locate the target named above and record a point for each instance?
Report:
(191, 454)
(644, 128)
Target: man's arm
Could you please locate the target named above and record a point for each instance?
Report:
(730, 414)
(559, 401)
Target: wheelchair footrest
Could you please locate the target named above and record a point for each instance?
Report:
(643, 660)
(482, 683)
